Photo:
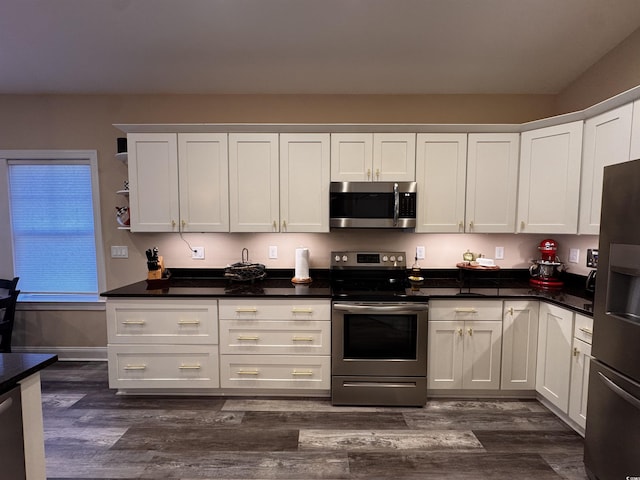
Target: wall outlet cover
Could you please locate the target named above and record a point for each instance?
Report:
(574, 255)
(273, 252)
(197, 253)
(420, 252)
(499, 253)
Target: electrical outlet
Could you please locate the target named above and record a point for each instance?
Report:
(273, 252)
(197, 253)
(574, 255)
(499, 253)
(420, 252)
(118, 251)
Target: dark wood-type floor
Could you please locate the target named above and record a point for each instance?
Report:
(92, 433)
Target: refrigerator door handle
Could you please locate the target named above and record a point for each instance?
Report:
(620, 391)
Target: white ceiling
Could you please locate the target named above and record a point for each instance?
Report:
(305, 46)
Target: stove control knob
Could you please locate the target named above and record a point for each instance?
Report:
(345, 258)
(393, 258)
(400, 258)
(385, 258)
(337, 258)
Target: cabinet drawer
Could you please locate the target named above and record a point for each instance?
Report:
(465, 310)
(583, 328)
(150, 366)
(275, 371)
(175, 322)
(275, 337)
(275, 310)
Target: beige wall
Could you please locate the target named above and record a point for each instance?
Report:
(615, 73)
(85, 122)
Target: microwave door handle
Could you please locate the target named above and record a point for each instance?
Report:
(396, 204)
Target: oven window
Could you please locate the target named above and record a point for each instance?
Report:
(386, 337)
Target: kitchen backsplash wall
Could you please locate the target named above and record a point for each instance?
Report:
(442, 250)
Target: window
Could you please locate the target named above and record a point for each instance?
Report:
(55, 237)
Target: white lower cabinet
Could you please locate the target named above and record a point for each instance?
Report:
(553, 373)
(275, 344)
(464, 344)
(519, 344)
(581, 358)
(156, 344)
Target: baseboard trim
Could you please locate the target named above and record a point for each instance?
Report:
(98, 354)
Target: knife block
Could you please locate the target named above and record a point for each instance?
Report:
(159, 273)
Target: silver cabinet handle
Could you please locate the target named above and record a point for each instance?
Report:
(189, 367)
(465, 310)
(248, 337)
(134, 322)
(135, 367)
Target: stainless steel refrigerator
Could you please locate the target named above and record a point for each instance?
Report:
(612, 441)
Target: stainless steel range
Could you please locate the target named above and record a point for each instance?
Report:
(379, 333)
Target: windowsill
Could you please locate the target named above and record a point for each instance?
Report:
(60, 302)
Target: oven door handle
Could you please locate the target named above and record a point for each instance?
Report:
(396, 204)
(380, 308)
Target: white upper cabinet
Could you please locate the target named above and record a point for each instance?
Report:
(204, 182)
(492, 182)
(304, 182)
(178, 182)
(635, 132)
(548, 190)
(253, 182)
(606, 142)
(441, 170)
(373, 157)
(153, 182)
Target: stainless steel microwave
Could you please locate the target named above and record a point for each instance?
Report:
(372, 205)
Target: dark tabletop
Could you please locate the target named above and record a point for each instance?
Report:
(18, 366)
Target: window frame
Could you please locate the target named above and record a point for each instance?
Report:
(7, 261)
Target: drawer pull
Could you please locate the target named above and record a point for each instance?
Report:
(134, 322)
(189, 322)
(136, 367)
(302, 373)
(470, 330)
(302, 310)
(248, 372)
(302, 339)
(459, 331)
(586, 330)
(247, 337)
(576, 352)
(246, 310)
(189, 367)
(465, 310)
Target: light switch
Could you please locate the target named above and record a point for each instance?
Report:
(119, 251)
(574, 255)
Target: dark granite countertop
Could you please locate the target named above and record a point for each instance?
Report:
(440, 283)
(18, 366)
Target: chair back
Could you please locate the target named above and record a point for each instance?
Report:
(7, 319)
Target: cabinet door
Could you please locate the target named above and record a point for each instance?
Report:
(519, 345)
(634, 152)
(441, 171)
(579, 382)
(153, 182)
(492, 178)
(204, 182)
(253, 182)
(554, 355)
(548, 189)
(445, 354)
(351, 157)
(482, 348)
(394, 157)
(606, 142)
(304, 182)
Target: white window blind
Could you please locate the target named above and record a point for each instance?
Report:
(53, 228)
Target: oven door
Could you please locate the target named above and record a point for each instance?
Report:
(379, 339)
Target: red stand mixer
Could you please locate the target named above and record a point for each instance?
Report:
(543, 271)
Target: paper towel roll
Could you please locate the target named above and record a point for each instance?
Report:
(302, 265)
